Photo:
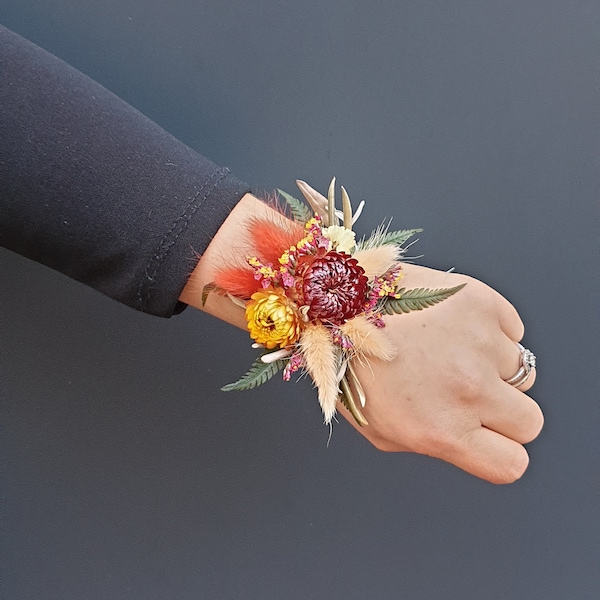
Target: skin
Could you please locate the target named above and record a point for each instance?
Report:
(444, 395)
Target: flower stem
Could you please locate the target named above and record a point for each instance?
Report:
(347, 399)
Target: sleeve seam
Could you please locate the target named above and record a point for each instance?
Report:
(171, 236)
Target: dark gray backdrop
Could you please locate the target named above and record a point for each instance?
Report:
(127, 474)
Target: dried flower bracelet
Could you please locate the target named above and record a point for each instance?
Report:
(315, 297)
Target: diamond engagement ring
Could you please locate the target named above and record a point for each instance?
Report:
(527, 364)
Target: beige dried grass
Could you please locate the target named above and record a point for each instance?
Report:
(368, 340)
(377, 261)
(321, 360)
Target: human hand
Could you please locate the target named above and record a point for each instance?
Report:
(444, 394)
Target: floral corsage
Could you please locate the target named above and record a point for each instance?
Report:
(315, 297)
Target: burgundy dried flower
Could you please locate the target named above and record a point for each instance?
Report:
(334, 287)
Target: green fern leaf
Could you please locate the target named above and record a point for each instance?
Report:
(300, 211)
(381, 236)
(417, 299)
(399, 237)
(258, 374)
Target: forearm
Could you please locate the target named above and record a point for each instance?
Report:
(94, 189)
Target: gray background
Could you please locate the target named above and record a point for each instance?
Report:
(127, 474)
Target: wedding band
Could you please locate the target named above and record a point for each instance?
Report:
(527, 364)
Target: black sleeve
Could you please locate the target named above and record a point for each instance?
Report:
(92, 188)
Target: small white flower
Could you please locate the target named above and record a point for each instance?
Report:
(343, 239)
(278, 354)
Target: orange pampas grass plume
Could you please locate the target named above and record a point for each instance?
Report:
(268, 240)
(237, 281)
(271, 238)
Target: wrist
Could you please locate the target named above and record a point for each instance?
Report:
(229, 242)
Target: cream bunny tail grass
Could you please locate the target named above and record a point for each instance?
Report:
(320, 358)
(368, 340)
(376, 261)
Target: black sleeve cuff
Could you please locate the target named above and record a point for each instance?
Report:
(92, 188)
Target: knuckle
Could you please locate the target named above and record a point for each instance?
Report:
(535, 424)
(518, 328)
(516, 466)
(511, 469)
(465, 383)
(528, 421)
(439, 442)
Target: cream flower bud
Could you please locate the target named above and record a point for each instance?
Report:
(344, 240)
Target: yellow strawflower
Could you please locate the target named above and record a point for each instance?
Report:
(273, 319)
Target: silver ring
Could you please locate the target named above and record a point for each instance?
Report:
(527, 365)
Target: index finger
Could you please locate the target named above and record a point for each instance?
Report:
(489, 455)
